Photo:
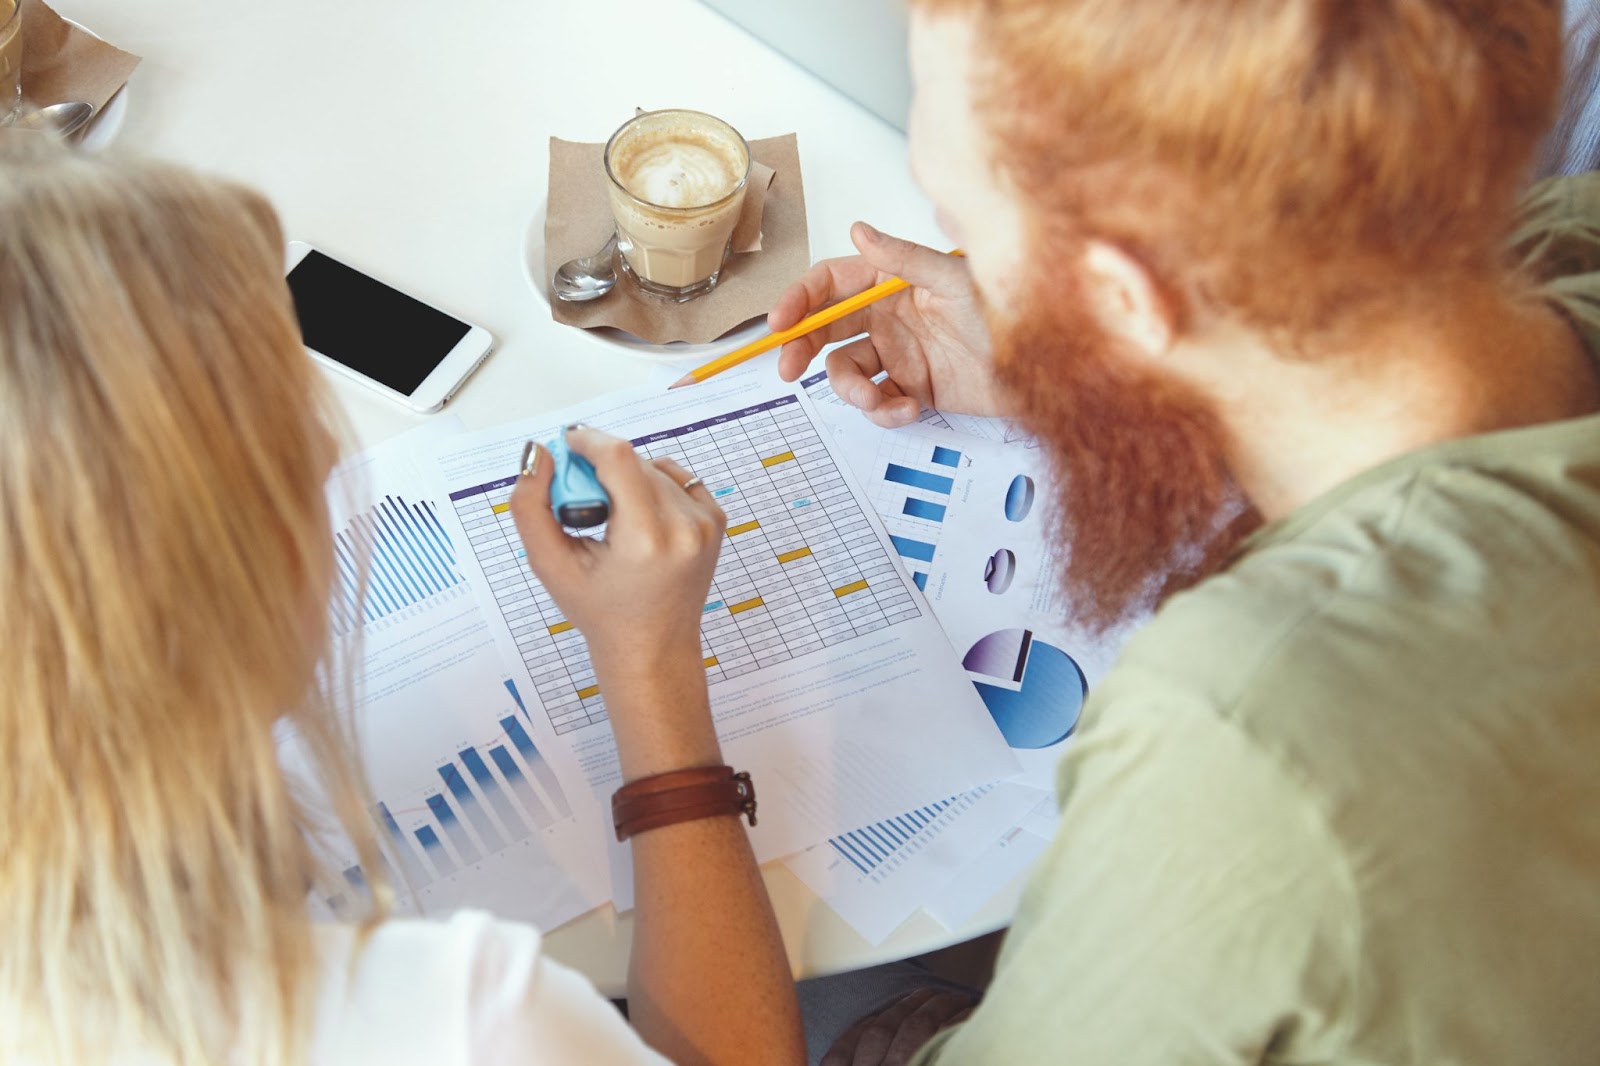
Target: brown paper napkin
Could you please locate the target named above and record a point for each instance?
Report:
(61, 62)
(770, 241)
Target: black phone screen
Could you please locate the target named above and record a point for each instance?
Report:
(369, 327)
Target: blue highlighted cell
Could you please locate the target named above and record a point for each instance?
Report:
(946, 456)
(718, 494)
(712, 606)
(801, 503)
(921, 581)
(933, 512)
(919, 479)
(920, 550)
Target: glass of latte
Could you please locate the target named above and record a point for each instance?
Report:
(677, 181)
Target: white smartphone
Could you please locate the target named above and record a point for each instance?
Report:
(373, 333)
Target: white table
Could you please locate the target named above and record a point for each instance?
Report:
(411, 138)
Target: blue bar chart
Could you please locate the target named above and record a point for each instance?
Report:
(870, 847)
(494, 795)
(408, 556)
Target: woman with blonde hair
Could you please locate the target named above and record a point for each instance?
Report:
(165, 559)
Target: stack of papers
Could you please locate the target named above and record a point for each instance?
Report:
(883, 642)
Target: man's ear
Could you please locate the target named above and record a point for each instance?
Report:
(1125, 298)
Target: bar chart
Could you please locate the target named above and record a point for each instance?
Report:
(913, 483)
(802, 567)
(409, 560)
(488, 797)
(872, 846)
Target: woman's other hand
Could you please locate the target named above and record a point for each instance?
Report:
(637, 595)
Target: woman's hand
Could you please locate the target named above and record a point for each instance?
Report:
(637, 596)
(931, 338)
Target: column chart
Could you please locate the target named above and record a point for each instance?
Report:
(802, 567)
(408, 558)
(493, 795)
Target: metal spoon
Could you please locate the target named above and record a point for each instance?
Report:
(588, 277)
(61, 119)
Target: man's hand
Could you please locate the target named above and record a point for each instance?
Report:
(893, 1035)
(930, 338)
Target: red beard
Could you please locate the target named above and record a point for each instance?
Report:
(1146, 504)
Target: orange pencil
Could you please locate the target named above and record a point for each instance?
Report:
(826, 316)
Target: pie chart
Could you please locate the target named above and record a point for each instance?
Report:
(1038, 689)
(999, 570)
(1019, 498)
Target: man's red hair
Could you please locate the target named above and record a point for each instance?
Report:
(1300, 164)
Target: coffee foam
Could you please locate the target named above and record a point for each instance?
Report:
(678, 168)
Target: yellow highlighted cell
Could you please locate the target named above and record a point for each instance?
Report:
(711, 662)
(743, 527)
(747, 605)
(774, 460)
(585, 693)
(844, 590)
(560, 627)
(798, 553)
(501, 508)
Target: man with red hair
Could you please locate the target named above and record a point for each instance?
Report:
(1253, 273)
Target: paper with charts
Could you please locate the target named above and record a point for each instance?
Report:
(968, 515)
(473, 804)
(829, 680)
(970, 519)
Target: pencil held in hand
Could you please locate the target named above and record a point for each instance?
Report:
(826, 316)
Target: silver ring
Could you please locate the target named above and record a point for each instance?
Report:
(691, 483)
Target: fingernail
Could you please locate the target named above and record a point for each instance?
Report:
(575, 425)
(871, 233)
(530, 459)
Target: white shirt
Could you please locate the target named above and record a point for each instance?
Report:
(469, 990)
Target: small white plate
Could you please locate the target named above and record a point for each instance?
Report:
(105, 126)
(671, 354)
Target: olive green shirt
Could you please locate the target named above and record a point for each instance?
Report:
(1340, 803)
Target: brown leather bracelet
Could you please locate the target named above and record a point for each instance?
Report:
(681, 796)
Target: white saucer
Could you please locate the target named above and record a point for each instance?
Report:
(671, 354)
(105, 126)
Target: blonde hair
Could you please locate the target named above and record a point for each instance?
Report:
(164, 564)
